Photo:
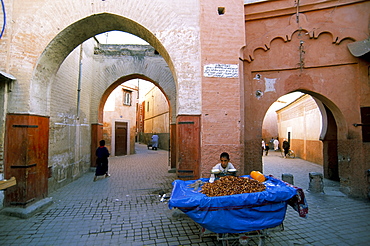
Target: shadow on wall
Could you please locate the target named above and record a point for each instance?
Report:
(164, 139)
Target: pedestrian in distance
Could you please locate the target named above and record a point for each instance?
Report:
(276, 144)
(267, 148)
(155, 139)
(272, 142)
(102, 155)
(286, 147)
(263, 146)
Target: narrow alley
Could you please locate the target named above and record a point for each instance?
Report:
(125, 209)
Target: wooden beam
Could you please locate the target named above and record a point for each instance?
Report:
(7, 183)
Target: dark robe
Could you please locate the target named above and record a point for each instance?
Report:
(102, 161)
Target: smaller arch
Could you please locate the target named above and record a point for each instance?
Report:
(101, 113)
(317, 143)
(120, 81)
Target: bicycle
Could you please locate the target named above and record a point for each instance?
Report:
(290, 154)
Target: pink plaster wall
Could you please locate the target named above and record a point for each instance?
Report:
(222, 37)
(309, 56)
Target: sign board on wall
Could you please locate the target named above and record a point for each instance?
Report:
(221, 70)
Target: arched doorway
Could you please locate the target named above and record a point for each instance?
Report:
(286, 57)
(310, 128)
(135, 122)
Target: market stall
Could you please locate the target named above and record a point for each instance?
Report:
(237, 213)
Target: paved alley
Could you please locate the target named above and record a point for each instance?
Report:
(125, 209)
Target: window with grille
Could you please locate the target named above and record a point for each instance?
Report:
(127, 97)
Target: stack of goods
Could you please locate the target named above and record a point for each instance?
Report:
(231, 185)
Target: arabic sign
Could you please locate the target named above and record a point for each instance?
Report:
(221, 70)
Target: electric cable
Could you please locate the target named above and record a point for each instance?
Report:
(3, 28)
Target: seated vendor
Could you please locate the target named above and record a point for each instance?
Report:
(225, 165)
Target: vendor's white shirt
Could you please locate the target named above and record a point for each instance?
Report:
(224, 170)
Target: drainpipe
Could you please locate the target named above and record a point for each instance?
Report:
(79, 83)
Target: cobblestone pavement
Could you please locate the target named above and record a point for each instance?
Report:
(124, 209)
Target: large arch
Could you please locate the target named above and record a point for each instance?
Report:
(72, 36)
(74, 158)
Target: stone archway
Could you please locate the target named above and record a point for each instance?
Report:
(273, 83)
(50, 84)
(158, 69)
(334, 133)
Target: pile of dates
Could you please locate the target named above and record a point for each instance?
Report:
(231, 185)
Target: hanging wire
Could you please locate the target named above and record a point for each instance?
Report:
(301, 55)
(297, 13)
(3, 28)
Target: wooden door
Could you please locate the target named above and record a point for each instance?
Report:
(188, 147)
(26, 158)
(330, 148)
(96, 136)
(121, 138)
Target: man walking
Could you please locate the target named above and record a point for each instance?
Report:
(286, 147)
(276, 144)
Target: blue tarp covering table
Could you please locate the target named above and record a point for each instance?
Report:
(234, 213)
